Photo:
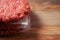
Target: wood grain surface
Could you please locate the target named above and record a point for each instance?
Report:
(45, 22)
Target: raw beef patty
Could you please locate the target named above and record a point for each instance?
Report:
(13, 9)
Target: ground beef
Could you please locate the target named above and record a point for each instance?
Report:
(13, 9)
(8, 29)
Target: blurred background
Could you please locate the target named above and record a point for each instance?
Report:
(47, 11)
(55, 2)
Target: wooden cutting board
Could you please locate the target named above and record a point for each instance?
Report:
(45, 22)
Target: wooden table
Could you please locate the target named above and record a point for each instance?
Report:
(45, 23)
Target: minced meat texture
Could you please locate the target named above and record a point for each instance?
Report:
(13, 9)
